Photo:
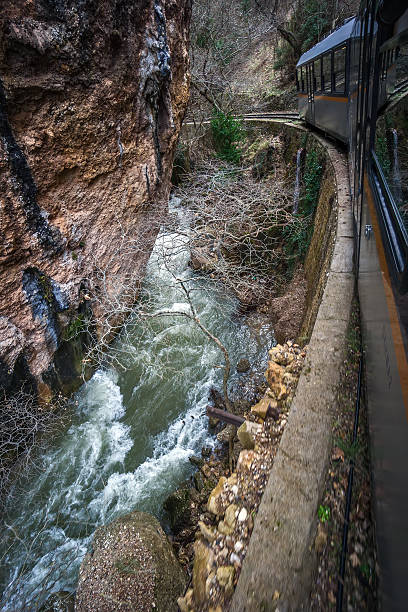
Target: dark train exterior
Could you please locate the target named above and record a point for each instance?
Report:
(352, 85)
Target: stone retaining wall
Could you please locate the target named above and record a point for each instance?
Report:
(278, 567)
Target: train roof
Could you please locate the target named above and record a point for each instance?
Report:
(333, 40)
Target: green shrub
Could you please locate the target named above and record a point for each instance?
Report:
(227, 134)
(298, 232)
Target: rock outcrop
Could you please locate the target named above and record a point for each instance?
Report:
(92, 96)
(131, 567)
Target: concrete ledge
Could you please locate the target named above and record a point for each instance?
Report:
(278, 567)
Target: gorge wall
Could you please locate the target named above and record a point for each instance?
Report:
(92, 95)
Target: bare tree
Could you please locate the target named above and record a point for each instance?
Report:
(25, 426)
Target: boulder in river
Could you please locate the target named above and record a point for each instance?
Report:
(243, 365)
(132, 567)
(177, 505)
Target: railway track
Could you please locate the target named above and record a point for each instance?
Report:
(287, 115)
(261, 116)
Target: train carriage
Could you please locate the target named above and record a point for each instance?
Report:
(353, 86)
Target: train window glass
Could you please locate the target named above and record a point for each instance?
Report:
(401, 67)
(383, 66)
(327, 69)
(318, 75)
(302, 79)
(391, 147)
(297, 79)
(339, 69)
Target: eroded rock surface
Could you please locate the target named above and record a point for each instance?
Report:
(91, 100)
(132, 566)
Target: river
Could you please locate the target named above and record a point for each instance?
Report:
(133, 430)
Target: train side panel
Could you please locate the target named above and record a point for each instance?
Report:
(385, 368)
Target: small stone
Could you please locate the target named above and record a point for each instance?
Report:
(215, 503)
(230, 515)
(235, 559)
(279, 391)
(185, 603)
(242, 515)
(274, 374)
(276, 596)
(224, 528)
(209, 583)
(234, 489)
(232, 480)
(243, 365)
(263, 407)
(238, 546)
(217, 609)
(247, 432)
(224, 434)
(321, 538)
(225, 577)
(208, 533)
(355, 561)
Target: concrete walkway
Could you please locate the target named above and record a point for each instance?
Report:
(278, 568)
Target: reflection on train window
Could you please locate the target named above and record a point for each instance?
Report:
(391, 147)
(383, 66)
(318, 75)
(302, 79)
(401, 75)
(339, 69)
(327, 72)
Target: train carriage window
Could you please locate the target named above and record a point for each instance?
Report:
(318, 75)
(327, 70)
(340, 70)
(297, 79)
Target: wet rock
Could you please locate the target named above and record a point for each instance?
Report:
(243, 366)
(224, 435)
(217, 399)
(177, 506)
(63, 601)
(197, 461)
(247, 433)
(132, 567)
(203, 561)
(198, 481)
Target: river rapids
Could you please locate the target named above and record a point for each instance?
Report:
(132, 433)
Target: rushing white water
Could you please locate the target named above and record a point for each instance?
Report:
(132, 434)
(396, 174)
(296, 192)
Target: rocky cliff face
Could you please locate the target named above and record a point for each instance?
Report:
(92, 95)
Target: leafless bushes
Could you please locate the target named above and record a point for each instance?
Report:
(237, 229)
(24, 426)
